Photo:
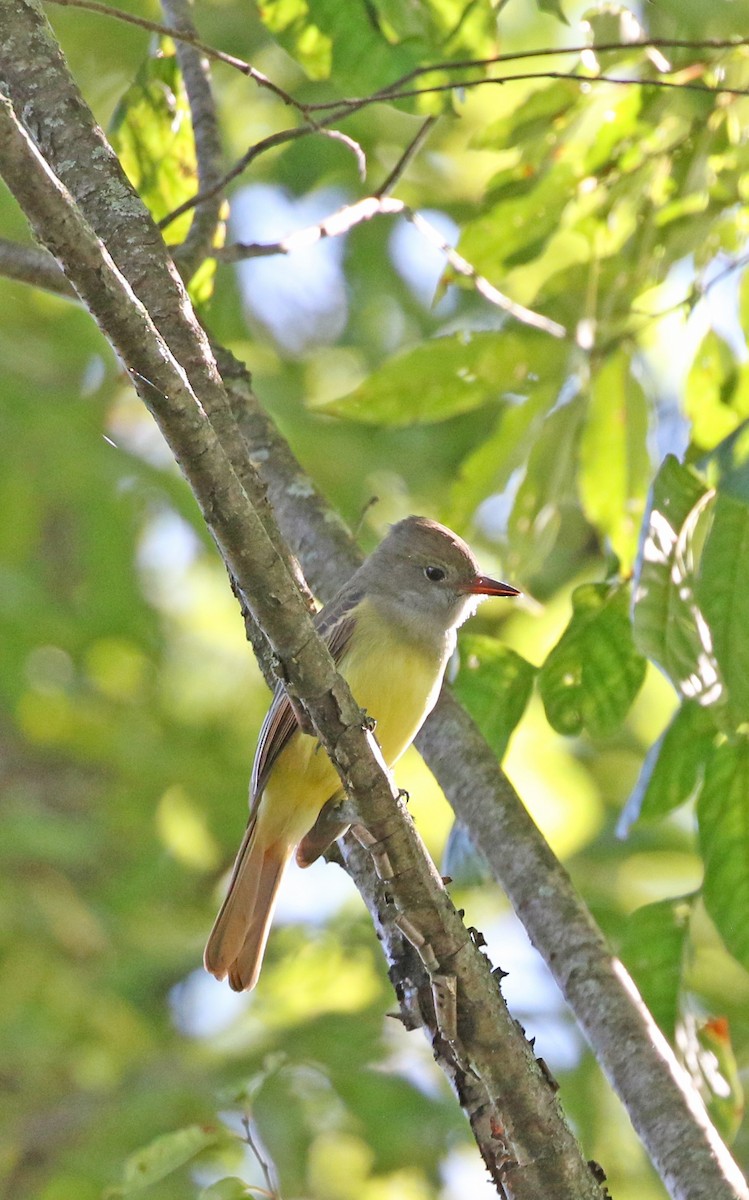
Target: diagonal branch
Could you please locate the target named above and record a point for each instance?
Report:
(382, 205)
(526, 1145)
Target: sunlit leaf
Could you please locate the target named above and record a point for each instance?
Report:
(594, 672)
(517, 223)
(717, 392)
(152, 134)
(723, 595)
(347, 44)
(652, 949)
(728, 463)
(494, 683)
(614, 459)
(673, 768)
(499, 458)
(668, 625)
(723, 815)
(531, 120)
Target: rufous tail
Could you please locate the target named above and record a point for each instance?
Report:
(237, 941)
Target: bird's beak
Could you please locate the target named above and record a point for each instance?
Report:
(482, 585)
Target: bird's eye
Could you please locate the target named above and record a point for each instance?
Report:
(434, 574)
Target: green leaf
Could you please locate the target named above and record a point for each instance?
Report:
(614, 460)
(717, 392)
(668, 625)
(652, 950)
(723, 595)
(447, 376)
(346, 43)
(541, 110)
(547, 490)
(594, 672)
(166, 1154)
(518, 222)
(674, 766)
(729, 463)
(494, 683)
(152, 134)
(723, 818)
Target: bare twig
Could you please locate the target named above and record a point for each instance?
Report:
(239, 64)
(338, 110)
(261, 147)
(410, 152)
(190, 38)
(393, 93)
(271, 1183)
(696, 292)
(471, 64)
(364, 210)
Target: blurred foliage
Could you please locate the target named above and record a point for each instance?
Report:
(608, 473)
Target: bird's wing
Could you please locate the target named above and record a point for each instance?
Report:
(335, 624)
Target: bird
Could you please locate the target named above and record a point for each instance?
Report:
(391, 630)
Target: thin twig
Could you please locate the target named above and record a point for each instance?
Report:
(469, 64)
(265, 1165)
(261, 147)
(339, 109)
(239, 64)
(373, 206)
(697, 291)
(390, 94)
(190, 39)
(408, 154)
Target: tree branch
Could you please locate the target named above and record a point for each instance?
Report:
(530, 1149)
(375, 206)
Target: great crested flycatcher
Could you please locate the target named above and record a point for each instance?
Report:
(391, 630)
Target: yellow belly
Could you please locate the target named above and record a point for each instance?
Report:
(397, 685)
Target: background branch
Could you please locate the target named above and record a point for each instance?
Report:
(34, 265)
(196, 73)
(641, 1067)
